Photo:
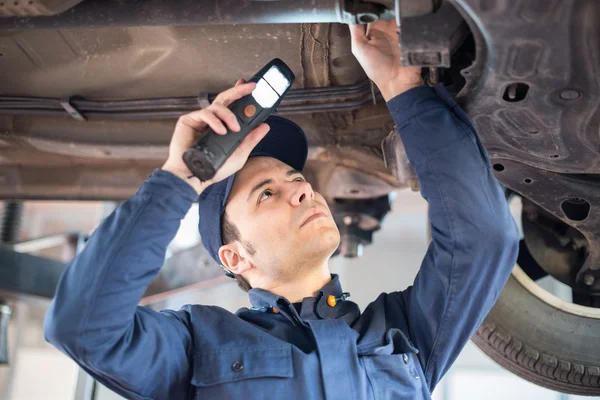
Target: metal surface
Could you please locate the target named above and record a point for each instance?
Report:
(46, 242)
(190, 269)
(5, 313)
(394, 157)
(557, 248)
(357, 219)
(28, 278)
(85, 386)
(429, 41)
(550, 191)
(296, 101)
(534, 98)
(550, 48)
(116, 13)
(109, 159)
(35, 8)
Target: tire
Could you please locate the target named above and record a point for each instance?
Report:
(543, 341)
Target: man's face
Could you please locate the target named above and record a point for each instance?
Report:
(271, 219)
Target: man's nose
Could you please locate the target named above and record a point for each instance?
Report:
(301, 192)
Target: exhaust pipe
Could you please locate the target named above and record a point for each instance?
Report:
(118, 13)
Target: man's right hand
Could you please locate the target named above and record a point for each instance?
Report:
(378, 52)
(191, 126)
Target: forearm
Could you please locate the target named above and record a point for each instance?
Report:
(100, 289)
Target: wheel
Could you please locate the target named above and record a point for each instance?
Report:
(541, 337)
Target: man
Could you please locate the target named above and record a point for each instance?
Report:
(302, 338)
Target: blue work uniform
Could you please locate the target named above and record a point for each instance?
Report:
(398, 348)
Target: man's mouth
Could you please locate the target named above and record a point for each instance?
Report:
(313, 214)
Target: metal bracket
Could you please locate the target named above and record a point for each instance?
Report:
(565, 197)
(203, 99)
(65, 102)
(429, 40)
(358, 12)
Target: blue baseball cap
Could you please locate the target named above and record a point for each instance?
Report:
(286, 142)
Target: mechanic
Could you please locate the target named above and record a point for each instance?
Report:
(302, 338)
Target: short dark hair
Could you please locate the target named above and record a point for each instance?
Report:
(230, 233)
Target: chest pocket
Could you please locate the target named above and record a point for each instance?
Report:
(255, 372)
(394, 369)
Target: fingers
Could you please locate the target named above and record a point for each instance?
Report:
(198, 120)
(217, 113)
(225, 114)
(232, 94)
(250, 141)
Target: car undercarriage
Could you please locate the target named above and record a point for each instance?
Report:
(91, 90)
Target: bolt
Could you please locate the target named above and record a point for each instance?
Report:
(589, 279)
(433, 78)
(569, 94)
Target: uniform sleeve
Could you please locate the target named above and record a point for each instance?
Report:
(474, 237)
(94, 317)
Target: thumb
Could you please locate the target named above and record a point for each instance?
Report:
(240, 82)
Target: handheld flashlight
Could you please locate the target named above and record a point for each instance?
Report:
(209, 153)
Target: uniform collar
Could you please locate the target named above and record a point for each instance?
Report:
(312, 307)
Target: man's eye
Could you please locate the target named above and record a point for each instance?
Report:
(260, 199)
(263, 193)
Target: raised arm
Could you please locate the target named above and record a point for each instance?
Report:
(474, 237)
(94, 317)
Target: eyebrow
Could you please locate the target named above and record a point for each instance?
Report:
(270, 181)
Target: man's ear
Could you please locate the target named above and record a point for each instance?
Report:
(231, 258)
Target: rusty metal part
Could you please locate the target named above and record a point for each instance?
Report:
(572, 199)
(314, 53)
(297, 101)
(25, 277)
(409, 8)
(557, 248)
(395, 158)
(554, 126)
(35, 8)
(357, 220)
(190, 269)
(117, 13)
(430, 40)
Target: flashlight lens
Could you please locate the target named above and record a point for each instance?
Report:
(277, 80)
(264, 94)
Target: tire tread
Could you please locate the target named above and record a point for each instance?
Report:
(538, 367)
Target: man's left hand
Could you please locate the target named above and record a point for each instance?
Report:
(378, 52)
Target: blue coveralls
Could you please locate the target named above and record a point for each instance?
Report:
(398, 348)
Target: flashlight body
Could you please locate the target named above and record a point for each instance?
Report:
(211, 151)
